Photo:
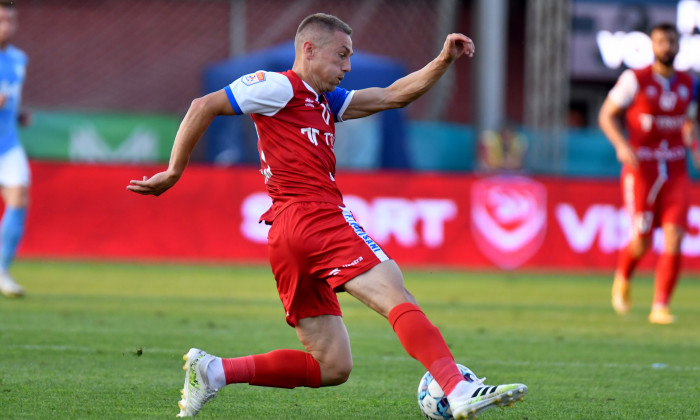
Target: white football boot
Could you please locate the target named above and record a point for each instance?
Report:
(485, 396)
(661, 315)
(8, 287)
(197, 390)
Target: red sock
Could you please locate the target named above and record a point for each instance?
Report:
(667, 269)
(423, 341)
(626, 263)
(239, 370)
(278, 368)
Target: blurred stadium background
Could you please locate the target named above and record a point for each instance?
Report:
(500, 165)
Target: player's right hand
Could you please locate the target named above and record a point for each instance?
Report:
(155, 185)
(626, 155)
(457, 45)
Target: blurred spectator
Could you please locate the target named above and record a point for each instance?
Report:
(576, 118)
(503, 149)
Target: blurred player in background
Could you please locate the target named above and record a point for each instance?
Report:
(14, 169)
(316, 247)
(659, 106)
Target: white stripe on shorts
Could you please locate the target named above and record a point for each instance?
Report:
(362, 234)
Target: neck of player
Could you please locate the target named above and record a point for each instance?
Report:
(662, 69)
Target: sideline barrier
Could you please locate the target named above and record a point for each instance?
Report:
(424, 220)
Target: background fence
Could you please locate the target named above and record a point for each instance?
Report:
(148, 55)
(103, 64)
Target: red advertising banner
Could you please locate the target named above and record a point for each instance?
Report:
(445, 220)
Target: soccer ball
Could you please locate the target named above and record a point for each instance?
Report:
(432, 400)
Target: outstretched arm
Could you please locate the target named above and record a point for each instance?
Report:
(198, 117)
(409, 88)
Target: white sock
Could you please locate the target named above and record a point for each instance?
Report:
(462, 391)
(215, 374)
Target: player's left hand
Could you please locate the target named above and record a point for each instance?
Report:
(457, 45)
(24, 118)
(155, 185)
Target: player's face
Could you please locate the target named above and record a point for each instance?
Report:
(8, 24)
(665, 46)
(333, 61)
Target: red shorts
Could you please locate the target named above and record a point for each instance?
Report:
(315, 248)
(653, 200)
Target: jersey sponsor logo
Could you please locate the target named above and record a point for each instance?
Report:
(330, 141)
(12, 89)
(661, 122)
(313, 135)
(508, 218)
(661, 154)
(253, 78)
(334, 272)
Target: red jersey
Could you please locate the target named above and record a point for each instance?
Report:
(654, 121)
(296, 136)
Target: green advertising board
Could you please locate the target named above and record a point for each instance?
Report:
(99, 137)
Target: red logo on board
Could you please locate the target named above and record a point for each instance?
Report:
(508, 218)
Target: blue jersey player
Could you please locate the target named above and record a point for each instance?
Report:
(14, 169)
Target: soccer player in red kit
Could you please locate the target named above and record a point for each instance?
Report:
(659, 106)
(316, 247)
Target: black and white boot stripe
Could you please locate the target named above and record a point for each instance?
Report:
(481, 391)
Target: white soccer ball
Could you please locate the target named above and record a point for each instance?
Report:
(432, 400)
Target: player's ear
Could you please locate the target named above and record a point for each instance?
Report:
(308, 49)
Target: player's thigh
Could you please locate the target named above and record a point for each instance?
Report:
(292, 245)
(15, 196)
(639, 244)
(381, 288)
(635, 194)
(673, 209)
(326, 338)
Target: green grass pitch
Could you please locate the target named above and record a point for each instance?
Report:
(94, 340)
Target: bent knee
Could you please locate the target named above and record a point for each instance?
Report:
(639, 246)
(336, 375)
